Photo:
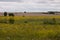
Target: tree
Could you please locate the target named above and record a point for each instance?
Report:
(5, 13)
(51, 12)
(11, 14)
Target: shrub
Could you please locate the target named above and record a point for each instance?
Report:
(11, 14)
(45, 21)
(49, 21)
(5, 13)
(3, 21)
(54, 36)
(11, 21)
(25, 22)
(23, 16)
(53, 21)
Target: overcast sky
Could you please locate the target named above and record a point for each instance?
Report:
(29, 5)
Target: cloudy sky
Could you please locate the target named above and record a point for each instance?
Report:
(29, 5)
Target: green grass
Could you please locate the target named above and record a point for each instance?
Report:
(30, 28)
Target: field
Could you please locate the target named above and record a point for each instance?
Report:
(30, 27)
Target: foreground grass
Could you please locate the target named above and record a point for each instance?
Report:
(29, 28)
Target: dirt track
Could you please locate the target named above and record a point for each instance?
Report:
(34, 14)
(30, 14)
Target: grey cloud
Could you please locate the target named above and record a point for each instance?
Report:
(41, 2)
(29, 5)
(10, 0)
(48, 1)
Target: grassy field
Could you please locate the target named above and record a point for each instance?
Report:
(30, 28)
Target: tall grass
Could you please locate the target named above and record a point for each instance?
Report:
(30, 28)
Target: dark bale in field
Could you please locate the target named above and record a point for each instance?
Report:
(5, 13)
(11, 14)
(24, 11)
